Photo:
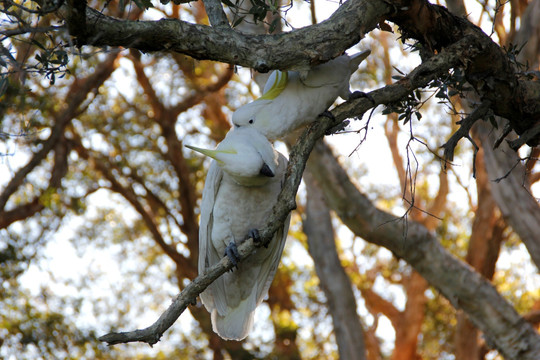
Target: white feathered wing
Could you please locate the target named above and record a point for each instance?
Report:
(228, 211)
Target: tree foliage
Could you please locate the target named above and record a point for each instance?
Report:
(394, 252)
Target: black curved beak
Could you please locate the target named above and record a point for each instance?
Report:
(265, 170)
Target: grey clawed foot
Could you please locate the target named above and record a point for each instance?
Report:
(328, 114)
(231, 251)
(360, 94)
(254, 234)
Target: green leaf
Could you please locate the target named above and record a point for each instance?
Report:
(441, 94)
(238, 21)
(38, 44)
(274, 25)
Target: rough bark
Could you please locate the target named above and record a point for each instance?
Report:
(326, 40)
(334, 282)
(512, 194)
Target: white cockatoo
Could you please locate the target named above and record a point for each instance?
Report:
(291, 99)
(242, 186)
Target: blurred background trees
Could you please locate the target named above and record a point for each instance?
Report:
(99, 198)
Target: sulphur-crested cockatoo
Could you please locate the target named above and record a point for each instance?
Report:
(241, 188)
(291, 100)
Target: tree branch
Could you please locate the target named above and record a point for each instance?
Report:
(29, 29)
(334, 281)
(326, 40)
(216, 15)
(492, 74)
(464, 129)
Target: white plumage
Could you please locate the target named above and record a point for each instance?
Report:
(291, 100)
(241, 188)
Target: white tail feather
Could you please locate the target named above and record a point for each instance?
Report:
(237, 323)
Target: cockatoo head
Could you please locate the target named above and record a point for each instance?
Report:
(246, 155)
(255, 114)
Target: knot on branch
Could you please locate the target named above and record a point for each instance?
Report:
(262, 67)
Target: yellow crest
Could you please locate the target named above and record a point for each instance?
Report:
(279, 84)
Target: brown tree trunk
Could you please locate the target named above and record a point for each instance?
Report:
(334, 281)
(482, 254)
(410, 322)
(511, 190)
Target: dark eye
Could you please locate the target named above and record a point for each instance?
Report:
(250, 121)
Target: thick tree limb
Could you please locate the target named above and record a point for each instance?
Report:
(297, 49)
(492, 74)
(512, 194)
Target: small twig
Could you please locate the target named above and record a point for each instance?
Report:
(499, 179)
(153, 333)
(365, 128)
(463, 132)
(24, 30)
(507, 130)
(527, 135)
(475, 152)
